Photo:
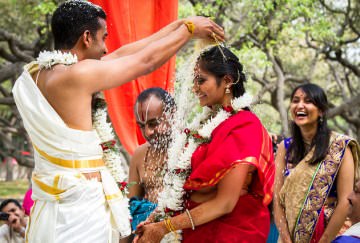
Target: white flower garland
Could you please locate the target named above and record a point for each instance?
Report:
(111, 154)
(212, 123)
(180, 152)
(47, 59)
(241, 102)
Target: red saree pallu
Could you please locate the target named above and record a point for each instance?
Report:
(241, 139)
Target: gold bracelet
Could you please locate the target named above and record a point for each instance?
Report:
(190, 26)
(169, 226)
(191, 219)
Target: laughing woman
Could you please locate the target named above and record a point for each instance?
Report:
(232, 173)
(315, 172)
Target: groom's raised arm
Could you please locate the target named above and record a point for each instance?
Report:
(136, 46)
(117, 71)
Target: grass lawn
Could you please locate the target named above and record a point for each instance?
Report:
(13, 189)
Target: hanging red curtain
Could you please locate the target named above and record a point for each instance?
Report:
(128, 21)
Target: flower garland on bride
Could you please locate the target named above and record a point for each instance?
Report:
(111, 154)
(184, 144)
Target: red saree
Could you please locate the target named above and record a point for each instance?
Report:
(239, 139)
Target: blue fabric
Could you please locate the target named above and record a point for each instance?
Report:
(346, 239)
(273, 234)
(287, 142)
(140, 209)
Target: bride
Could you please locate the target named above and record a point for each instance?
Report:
(232, 165)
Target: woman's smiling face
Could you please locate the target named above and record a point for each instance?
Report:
(303, 111)
(206, 88)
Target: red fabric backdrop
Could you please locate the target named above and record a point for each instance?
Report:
(128, 21)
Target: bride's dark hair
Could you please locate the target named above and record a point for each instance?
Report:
(220, 61)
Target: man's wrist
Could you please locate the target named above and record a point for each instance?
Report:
(185, 31)
(180, 22)
(176, 24)
(190, 26)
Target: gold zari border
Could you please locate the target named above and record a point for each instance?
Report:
(113, 196)
(46, 188)
(71, 163)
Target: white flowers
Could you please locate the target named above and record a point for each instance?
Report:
(104, 129)
(47, 59)
(111, 155)
(241, 102)
(212, 123)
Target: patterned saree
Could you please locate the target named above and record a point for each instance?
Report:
(309, 192)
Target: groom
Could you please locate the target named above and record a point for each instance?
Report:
(76, 199)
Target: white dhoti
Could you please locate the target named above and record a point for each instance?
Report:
(68, 207)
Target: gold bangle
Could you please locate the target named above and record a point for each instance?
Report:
(169, 226)
(190, 26)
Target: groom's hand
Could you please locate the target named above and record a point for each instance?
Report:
(153, 232)
(205, 28)
(140, 226)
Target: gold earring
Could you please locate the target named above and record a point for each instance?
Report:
(227, 90)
